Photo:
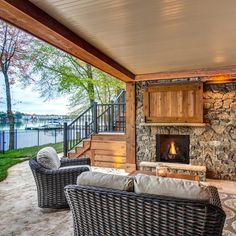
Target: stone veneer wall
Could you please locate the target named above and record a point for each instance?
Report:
(213, 145)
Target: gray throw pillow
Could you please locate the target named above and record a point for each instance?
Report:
(98, 179)
(179, 188)
(48, 158)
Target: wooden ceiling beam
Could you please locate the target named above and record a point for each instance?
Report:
(30, 18)
(229, 71)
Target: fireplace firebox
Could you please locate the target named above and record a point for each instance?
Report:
(172, 148)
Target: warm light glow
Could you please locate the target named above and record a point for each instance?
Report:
(220, 77)
(161, 172)
(172, 150)
(118, 159)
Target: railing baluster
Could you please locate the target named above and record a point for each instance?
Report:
(81, 127)
(86, 129)
(3, 142)
(105, 120)
(98, 117)
(101, 119)
(112, 115)
(65, 140)
(95, 117)
(75, 133)
(68, 137)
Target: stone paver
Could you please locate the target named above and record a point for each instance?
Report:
(19, 212)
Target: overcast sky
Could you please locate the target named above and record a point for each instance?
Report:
(29, 101)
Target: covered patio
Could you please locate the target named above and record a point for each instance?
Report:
(177, 59)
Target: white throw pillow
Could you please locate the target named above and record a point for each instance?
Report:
(179, 188)
(48, 158)
(98, 179)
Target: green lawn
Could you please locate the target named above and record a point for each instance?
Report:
(13, 157)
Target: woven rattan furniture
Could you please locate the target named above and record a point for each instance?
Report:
(50, 183)
(98, 211)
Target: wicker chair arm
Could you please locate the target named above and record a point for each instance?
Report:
(75, 170)
(75, 161)
(214, 196)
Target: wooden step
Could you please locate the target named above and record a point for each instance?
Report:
(105, 150)
(122, 114)
(109, 137)
(121, 118)
(108, 145)
(81, 150)
(120, 122)
(71, 154)
(121, 153)
(114, 159)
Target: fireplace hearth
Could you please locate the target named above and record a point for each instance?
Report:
(172, 148)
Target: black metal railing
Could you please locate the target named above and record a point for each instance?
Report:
(97, 118)
(110, 117)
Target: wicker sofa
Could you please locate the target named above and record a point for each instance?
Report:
(50, 183)
(100, 211)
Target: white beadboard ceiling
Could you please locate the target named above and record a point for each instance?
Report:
(153, 35)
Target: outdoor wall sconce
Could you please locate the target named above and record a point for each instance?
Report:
(221, 79)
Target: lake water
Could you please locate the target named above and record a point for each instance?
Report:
(29, 123)
(29, 138)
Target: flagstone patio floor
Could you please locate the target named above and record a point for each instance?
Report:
(20, 215)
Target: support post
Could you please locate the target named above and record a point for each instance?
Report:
(130, 124)
(65, 148)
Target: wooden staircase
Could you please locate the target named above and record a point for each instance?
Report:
(99, 134)
(80, 149)
(120, 122)
(105, 150)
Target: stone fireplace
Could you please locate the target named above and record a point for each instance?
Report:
(213, 145)
(172, 148)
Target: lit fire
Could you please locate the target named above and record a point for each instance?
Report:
(172, 150)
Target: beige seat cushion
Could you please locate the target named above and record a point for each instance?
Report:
(48, 158)
(98, 179)
(170, 187)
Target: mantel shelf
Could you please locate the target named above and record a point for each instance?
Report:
(175, 124)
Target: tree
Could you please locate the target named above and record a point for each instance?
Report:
(60, 73)
(3, 116)
(18, 115)
(13, 46)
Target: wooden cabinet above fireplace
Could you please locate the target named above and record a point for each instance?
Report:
(174, 103)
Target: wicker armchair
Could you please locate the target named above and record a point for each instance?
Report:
(98, 211)
(50, 183)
